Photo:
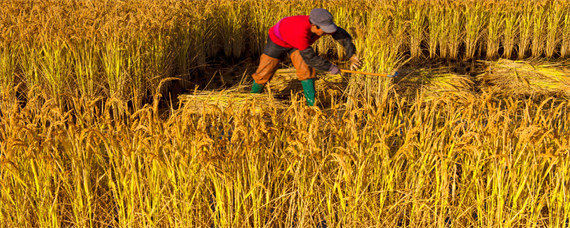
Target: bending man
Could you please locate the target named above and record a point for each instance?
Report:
(294, 36)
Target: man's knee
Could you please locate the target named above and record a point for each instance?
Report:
(304, 71)
(267, 67)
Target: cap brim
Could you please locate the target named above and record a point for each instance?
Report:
(329, 28)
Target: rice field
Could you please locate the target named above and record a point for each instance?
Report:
(137, 113)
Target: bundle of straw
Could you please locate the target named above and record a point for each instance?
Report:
(286, 79)
(435, 83)
(527, 78)
(215, 101)
(448, 85)
(282, 79)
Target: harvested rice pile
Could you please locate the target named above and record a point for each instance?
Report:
(449, 85)
(527, 78)
(435, 83)
(286, 79)
(234, 98)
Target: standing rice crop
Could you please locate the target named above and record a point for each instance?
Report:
(435, 27)
(454, 30)
(525, 29)
(232, 27)
(511, 29)
(495, 26)
(178, 39)
(114, 67)
(541, 12)
(501, 159)
(474, 24)
(7, 69)
(86, 69)
(565, 50)
(553, 27)
(418, 19)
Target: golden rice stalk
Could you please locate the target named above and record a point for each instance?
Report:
(554, 18)
(435, 29)
(495, 25)
(527, 78)
(474, 26)
(540, 15)
(418, 26)
(525, 29)
(454, 31)
(510, 30)
(565, 49)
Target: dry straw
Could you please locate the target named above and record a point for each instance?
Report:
(283, 83)
(527, 78)
(234, 98)
(286, 79)
(434, 84)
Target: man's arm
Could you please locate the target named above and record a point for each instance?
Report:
(345, 39)
(312, 59)
(317, 62)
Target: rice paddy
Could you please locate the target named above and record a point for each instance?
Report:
(138, 113)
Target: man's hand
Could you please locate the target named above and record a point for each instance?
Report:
(334, 69)
(355, 63)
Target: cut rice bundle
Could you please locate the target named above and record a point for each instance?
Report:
(527, 78)
(215, 101)
(286, 79)
(437, 83)
(448, 86)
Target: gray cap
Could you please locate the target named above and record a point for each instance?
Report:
(324, 19)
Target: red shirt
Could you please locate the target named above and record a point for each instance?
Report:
(293, 32)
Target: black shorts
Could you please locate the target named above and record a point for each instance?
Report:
(275, 51)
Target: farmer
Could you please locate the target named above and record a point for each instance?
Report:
(293, 36)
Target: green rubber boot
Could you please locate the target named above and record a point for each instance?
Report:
(309, 91)
(256, 88)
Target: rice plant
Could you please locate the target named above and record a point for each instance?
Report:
(495, 25)
(526, 29)
(239, 166)
(85, 68)
(435, 29)
(540, 15)
(565, 49)
(417, 27)
(455, 32)
(8, 69)
(511, 30)
(474, 24)
(554, 22)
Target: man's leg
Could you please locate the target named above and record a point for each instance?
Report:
(306, 75)
(265, 70)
